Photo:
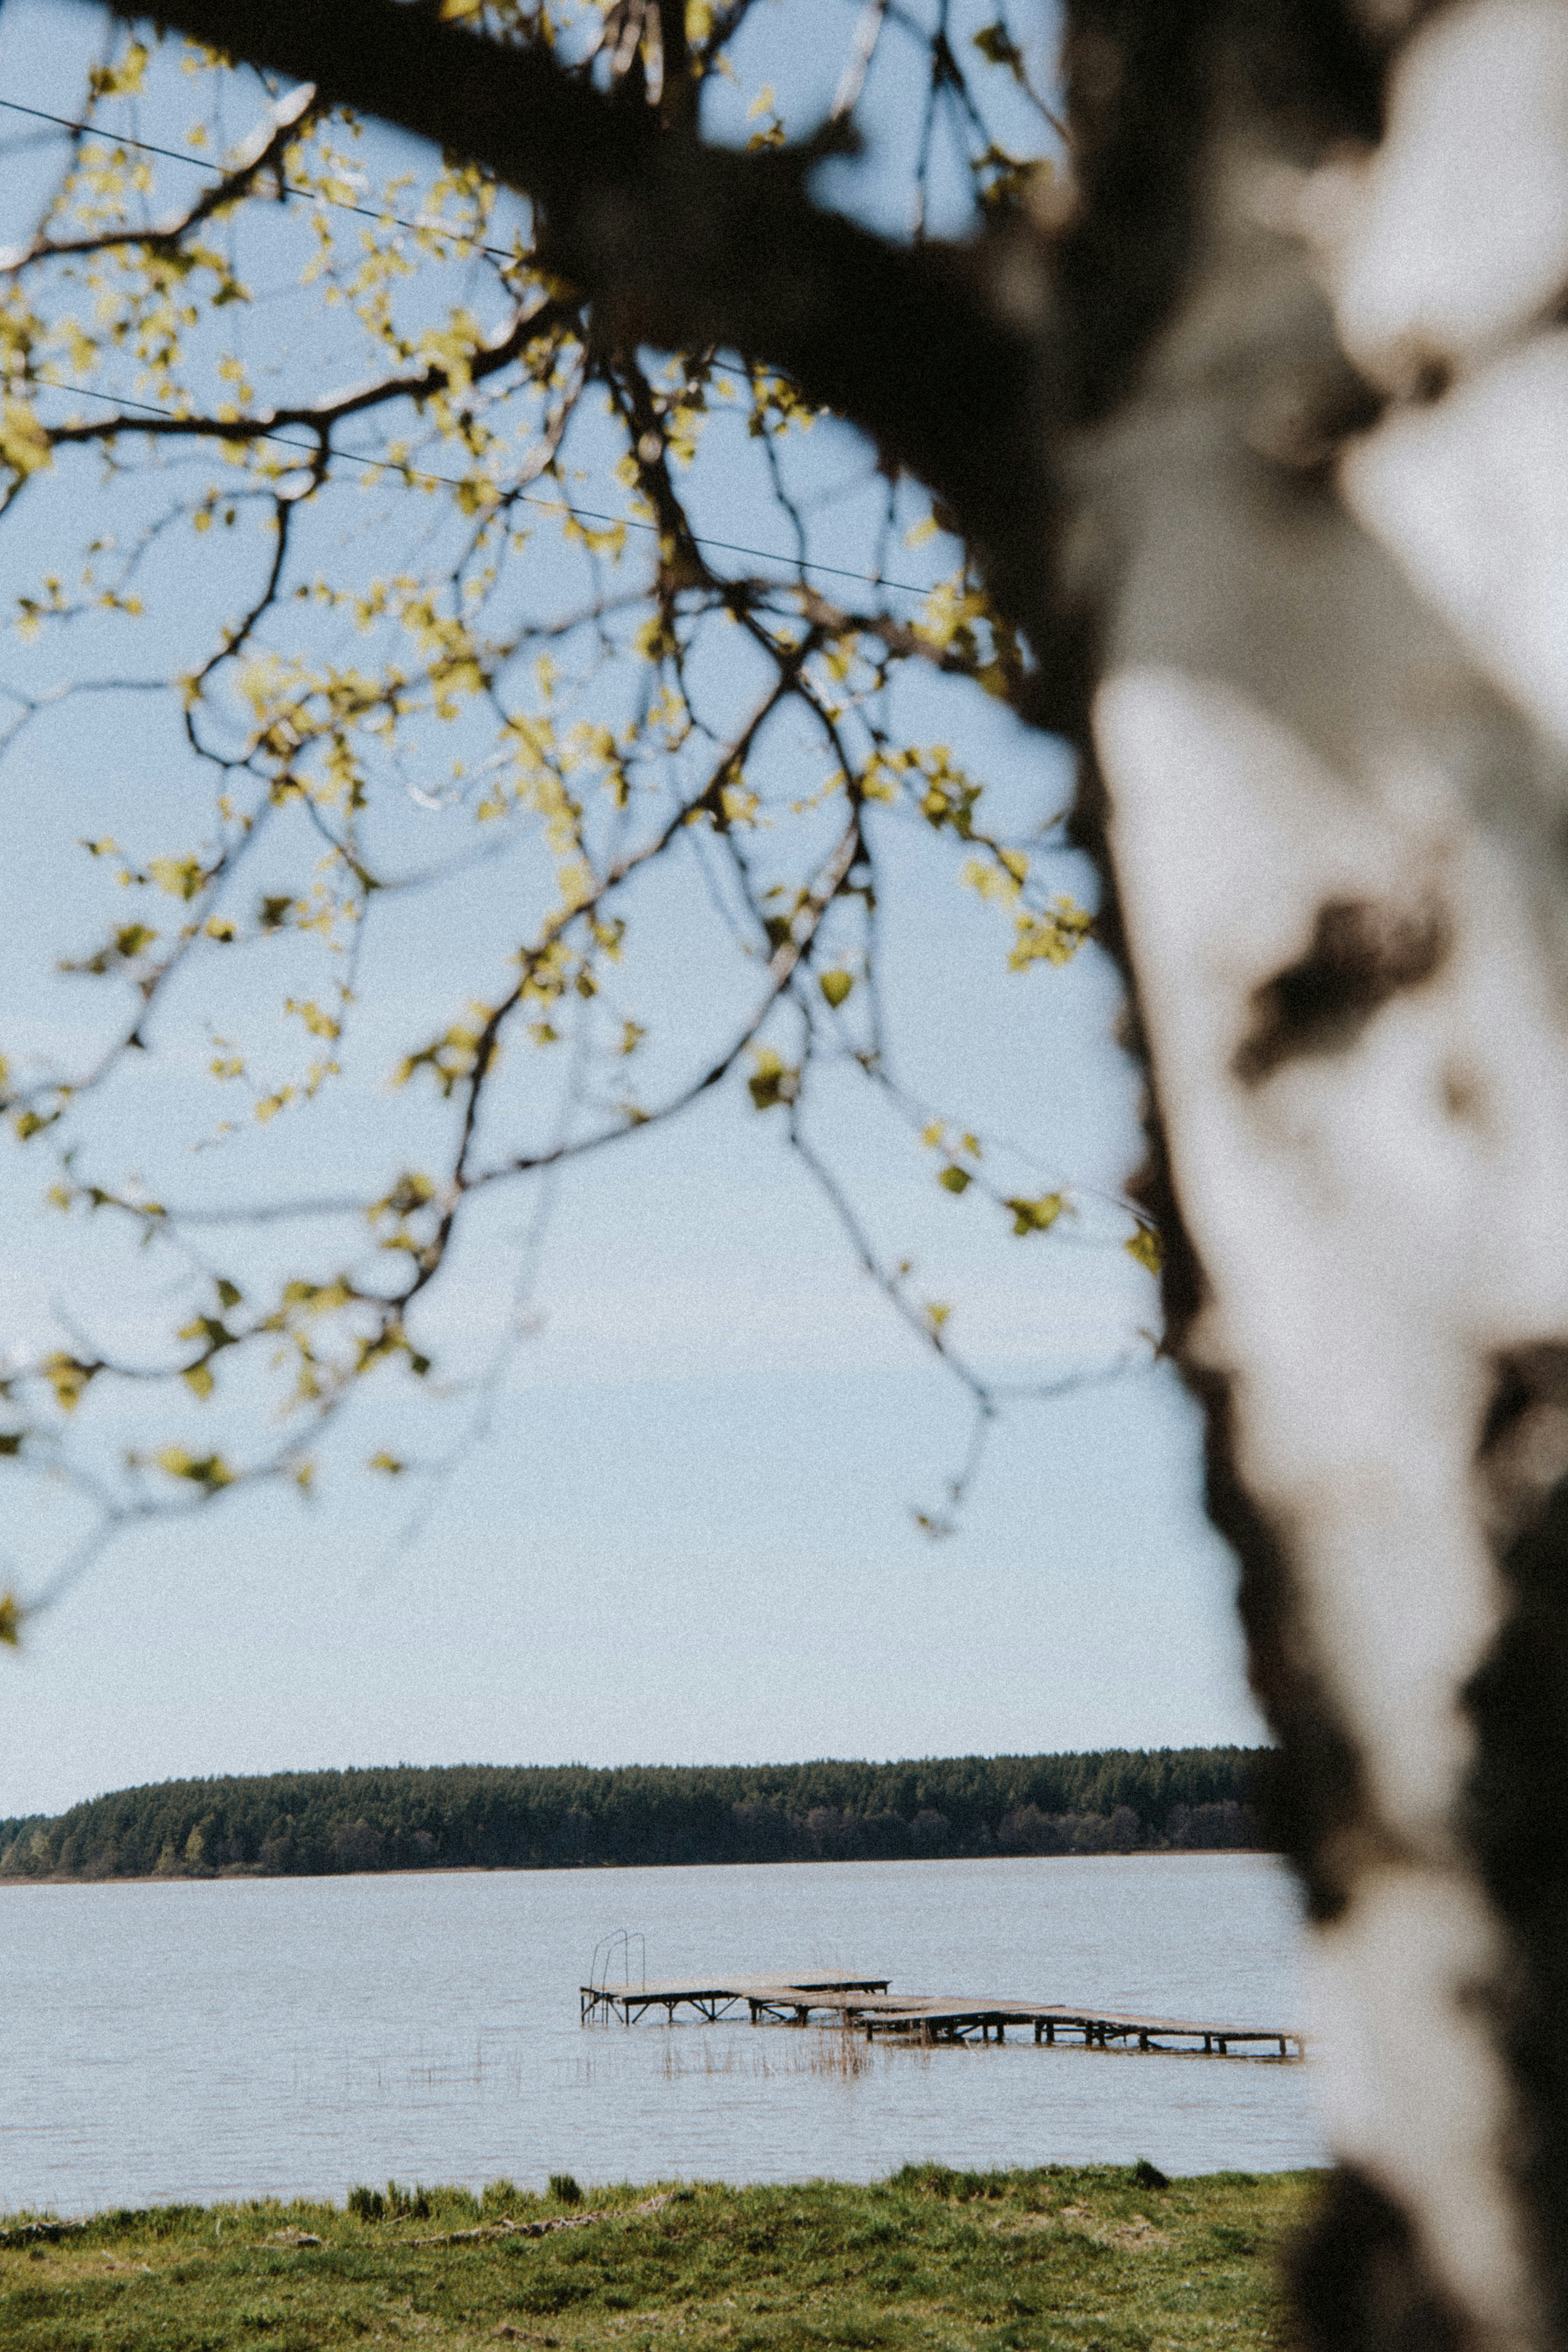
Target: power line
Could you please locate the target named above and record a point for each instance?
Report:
(412, 473)
(290, 187)
(520, 498)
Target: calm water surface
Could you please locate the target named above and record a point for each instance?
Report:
(237, 2038)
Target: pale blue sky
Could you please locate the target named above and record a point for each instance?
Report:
(686, 1535)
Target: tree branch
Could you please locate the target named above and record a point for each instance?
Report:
(684, 247)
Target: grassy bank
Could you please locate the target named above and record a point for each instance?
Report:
(1090, 2260)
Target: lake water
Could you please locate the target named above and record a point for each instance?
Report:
(242, 2037)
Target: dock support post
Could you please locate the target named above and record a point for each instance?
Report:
(1142, 2041)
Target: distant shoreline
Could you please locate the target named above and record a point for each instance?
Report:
(576, 1869)
(407, 1817)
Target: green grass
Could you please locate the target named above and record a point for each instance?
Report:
(1072, 2259)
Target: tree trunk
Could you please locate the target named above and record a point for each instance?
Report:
(1318, 515)
(1268, 455)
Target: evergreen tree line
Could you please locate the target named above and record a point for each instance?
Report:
(496, 1817)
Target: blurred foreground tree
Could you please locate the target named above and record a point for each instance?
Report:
(1253, 427)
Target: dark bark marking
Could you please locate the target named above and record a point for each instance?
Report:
(1143, 83)
(1312, 1801)
(1313, 1798)
(1464, 1094)
(1302, 421)
(1360, 2284)
(1362, 954)
(1516, 1812)
(1434, 378)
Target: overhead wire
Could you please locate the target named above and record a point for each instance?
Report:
(290, 187)
(312, 449)
(413, 473)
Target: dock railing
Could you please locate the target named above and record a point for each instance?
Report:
(620, 1939)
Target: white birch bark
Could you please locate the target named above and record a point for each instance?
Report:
(1356, 699)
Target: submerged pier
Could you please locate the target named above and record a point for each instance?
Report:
(865, 2003)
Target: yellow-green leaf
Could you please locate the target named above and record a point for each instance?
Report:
(24, 443)
(1054, 937)
(772, 1080)
(68, 1378)
(1146, 1247)
(206, 1470)
(181, 878)
(1036, 1216)
(997, 45)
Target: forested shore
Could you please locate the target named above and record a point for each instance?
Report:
(552, 1817)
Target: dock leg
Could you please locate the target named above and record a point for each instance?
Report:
(1051, 2029)
(1142, 2041)
(1039, 2029)
(1001, 2031)
(1223, 2050)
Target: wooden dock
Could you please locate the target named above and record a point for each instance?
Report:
(798, 1995)
(967, 2020)
(865, 2003)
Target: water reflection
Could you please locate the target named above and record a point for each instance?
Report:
(243, 2037)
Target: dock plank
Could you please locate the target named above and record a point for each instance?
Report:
(866, 2002)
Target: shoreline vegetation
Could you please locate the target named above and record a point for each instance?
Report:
(552, 1817)
(1058, 2259)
